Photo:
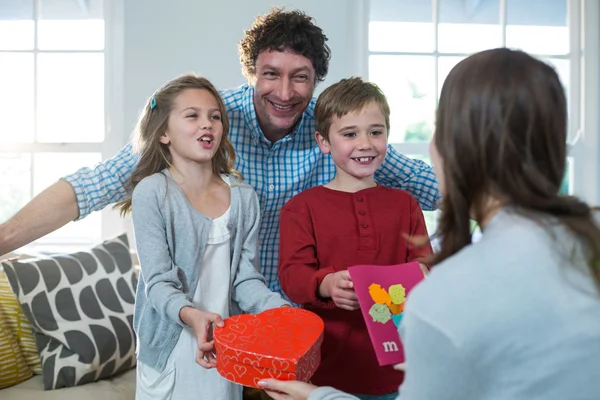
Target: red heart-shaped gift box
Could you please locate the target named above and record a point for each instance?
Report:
(282, 343)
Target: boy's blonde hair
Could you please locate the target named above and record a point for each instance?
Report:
(346, 96)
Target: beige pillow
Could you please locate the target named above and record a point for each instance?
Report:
(15, 321)
(13, 368)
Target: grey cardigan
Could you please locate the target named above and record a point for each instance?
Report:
(170, 237)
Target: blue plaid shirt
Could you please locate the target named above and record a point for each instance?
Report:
(277, 171)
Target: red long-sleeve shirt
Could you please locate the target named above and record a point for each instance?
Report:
(324, 231)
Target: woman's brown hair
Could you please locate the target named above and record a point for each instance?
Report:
(153, 123)
(501, 131)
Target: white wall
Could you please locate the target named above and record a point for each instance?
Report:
(163, 39)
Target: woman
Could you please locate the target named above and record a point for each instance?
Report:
(517, 314)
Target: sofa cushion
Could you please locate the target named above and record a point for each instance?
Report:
(119, 387)
(16, 322)
(81, 309)
(13, 368)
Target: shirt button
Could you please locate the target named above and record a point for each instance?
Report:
(365, 226)
(271, 187)
(362, 212)
(359, 199)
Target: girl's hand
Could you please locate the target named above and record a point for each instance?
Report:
(287, 390)
(201, 323)
(340, 288)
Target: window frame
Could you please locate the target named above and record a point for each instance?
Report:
(110, 225)
(584, 57)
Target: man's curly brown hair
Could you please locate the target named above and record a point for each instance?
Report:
(281, 30)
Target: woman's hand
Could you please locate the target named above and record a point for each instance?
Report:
(424, 269)
(201, 323)
(399, 367)
(287, 390)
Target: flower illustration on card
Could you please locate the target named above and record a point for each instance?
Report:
(389, 304)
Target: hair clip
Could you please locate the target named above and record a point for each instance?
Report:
(153, 102)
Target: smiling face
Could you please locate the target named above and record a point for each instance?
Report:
(195, 128)
(283, 87)
(357, 143)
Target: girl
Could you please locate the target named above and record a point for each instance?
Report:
(196, 230)
(517, 314)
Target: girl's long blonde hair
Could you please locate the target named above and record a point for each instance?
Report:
(153, 123)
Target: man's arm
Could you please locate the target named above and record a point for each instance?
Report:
(46, 212)
(414, 176)
(419, 246)
(106, 183)
(74, 197)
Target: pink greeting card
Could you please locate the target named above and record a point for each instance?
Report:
(381, 292)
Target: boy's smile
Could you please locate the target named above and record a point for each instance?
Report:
(364, 160)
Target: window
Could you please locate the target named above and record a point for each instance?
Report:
(413, 45)
(52, 108)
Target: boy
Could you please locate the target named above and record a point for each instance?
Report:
(349, 221)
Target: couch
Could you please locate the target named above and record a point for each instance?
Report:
(68, 358)
(120, 387)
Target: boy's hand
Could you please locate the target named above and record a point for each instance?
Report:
(201, 323)
(339, 287)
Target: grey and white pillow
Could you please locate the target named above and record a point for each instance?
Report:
(80, 306)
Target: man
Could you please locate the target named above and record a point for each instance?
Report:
(283, 56)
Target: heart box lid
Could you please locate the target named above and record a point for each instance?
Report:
(284, 335)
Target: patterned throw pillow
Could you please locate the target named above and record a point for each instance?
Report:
(13, 368)
(17, 324)
(81, 309)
